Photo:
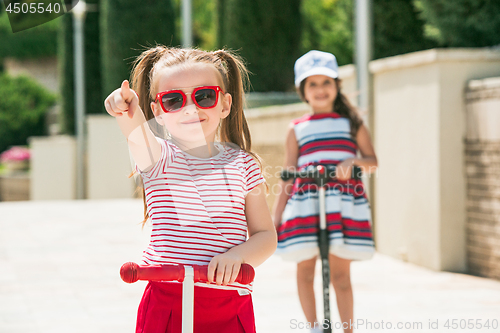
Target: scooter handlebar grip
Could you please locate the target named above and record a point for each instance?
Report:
(245, 275)
(357, 172)
(131, 272)
(128, 272)
(287, 175)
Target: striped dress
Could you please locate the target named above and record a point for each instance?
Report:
(325, 139)
(197, 206)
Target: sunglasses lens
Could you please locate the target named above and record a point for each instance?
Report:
(206, 98)
(172, 101)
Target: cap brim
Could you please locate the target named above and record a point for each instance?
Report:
(316, 71)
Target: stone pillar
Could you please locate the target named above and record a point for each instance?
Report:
(482, 160)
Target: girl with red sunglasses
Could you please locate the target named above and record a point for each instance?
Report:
(204, 192)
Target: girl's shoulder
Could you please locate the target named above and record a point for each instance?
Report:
(232, 151)
(321, 126)
(312, 116)
(234, 154)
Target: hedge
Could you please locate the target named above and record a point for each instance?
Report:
(398, 29)
(40, 41)
(127, 28)
(93, 87)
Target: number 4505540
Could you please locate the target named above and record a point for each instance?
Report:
(471, 324)
(33, 8)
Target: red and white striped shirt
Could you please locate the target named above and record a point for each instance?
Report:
(197, 205)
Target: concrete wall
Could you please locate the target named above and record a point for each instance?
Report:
(53, 163)
(15, 187)
(419, 129)
(109, 163)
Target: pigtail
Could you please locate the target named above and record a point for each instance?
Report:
(343, 107)
(234, 128)
(141, 80)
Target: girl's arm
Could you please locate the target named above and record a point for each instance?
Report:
(284, 188)
(367, 162)
(260, 245)
(123, 104)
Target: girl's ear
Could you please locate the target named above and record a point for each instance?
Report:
(227, 101)
(157, 111)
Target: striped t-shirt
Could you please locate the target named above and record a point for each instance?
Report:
(197, 205)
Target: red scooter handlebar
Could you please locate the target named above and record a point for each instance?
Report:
(130, 272)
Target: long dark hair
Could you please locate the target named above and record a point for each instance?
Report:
(341, 106)
(234, 128)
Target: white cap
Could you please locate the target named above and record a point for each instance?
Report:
(315, 63)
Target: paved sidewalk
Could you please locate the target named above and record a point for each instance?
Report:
(59, 272)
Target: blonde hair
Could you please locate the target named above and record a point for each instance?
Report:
(234, 75)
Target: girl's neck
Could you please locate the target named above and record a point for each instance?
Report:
(202, 150)
(321, 111)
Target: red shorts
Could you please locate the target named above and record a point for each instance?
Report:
(215, 310)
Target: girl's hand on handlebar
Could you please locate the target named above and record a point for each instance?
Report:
(227, 266)
(344, 169)
(122, 101)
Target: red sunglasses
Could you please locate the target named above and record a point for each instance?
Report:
(203, 97)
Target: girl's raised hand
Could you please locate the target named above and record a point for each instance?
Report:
(227, 265)
(122, 101)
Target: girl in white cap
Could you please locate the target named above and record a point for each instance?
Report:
(332, 134)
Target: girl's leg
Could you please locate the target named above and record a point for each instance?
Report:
(305, 287)
(340, 272)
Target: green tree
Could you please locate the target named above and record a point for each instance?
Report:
(220, 17)
(204, 22)
(267, 35)
(329, 26)
(92, 56)
(127, 28)
(462, 23)
(23, 105)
